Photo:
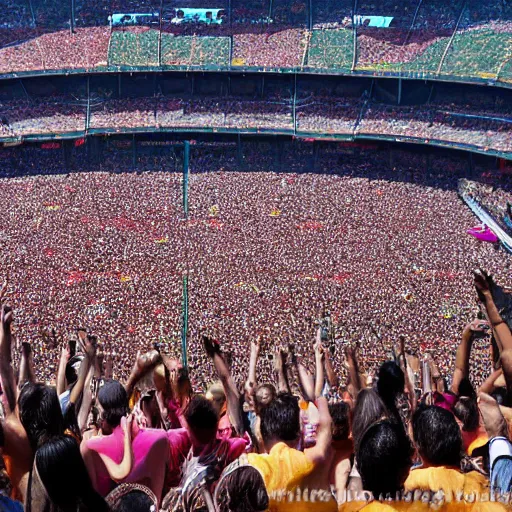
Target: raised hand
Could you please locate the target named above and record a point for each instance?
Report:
(145, 362)
(210, 345)
(256, 345)
(6, 317)
(481, 282)
(319, 350)
(90, 346)
(478, 325)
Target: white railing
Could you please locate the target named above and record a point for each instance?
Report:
(489, 221)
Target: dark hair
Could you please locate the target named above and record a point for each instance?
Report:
(202, 418)
(242, 490)
(369, 408)
(280, 419)
(134, 501)
(71, 373)
(384, 457)
(466, 388)
(500, 395)
(113, 398)
(40, 413)
(391, 382)
(466, 410)
(340, 414)
(437, 436)
(64, 476)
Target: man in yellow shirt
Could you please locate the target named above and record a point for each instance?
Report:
(295, 480)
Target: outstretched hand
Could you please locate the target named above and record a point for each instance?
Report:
(90, 346)
(478, 325)
(145, 362)
(280, 359)
(481, 281)
(6, 317)
(210, 345)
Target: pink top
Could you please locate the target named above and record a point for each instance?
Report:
(179, 446)
(113, 447)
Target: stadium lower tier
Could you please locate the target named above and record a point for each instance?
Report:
(254, 247)
(315, 116)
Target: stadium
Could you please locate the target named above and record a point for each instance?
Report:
(305, 188)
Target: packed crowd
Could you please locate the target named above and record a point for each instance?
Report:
(227, 211)
(341, 353)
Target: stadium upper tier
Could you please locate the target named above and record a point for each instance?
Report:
(466, 40)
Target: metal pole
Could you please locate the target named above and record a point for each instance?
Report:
(72, 24)
(186, 170)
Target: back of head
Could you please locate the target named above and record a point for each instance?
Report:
(132, 497)
(437, 436)
(384, 457)
(466, 388)
(340, 414)
(369, 408)
(40, 413)
(114, 400)
(242, 490)
(466, 410)
(264, 394)
(391, 382)
(202, 419)
(64, 476)
(280, 420)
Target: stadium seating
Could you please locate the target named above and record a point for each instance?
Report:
(424, 39)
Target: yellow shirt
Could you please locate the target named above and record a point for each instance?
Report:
(451, 481)
(418, 506)
(285, 472)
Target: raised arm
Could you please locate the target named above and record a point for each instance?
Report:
(251, 383)
(501, 329)
(353, 371)
(305, 379)
(118, 472)
(464, 352)
(283, 386)
(95, 373)
(26, 368)
(319, 364)
(332, 378)
(6, 372)
(232, 394)
(408, 384)
(87, 362)
(489, 383)
(436, 376)
(61, 372)
(322, 449)
(143, 365)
